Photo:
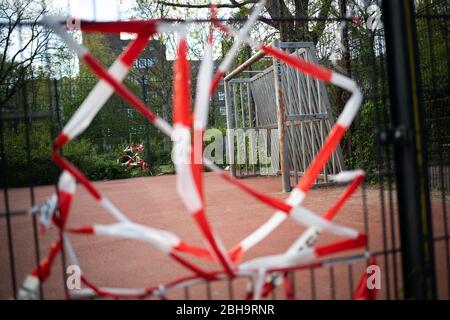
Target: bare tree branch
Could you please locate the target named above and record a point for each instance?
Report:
(320, 25)
(301, 17)
(277, 8)
(16, 62)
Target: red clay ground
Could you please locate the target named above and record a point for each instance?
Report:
(152, 201)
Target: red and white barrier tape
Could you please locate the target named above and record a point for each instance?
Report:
(189, 183)
(275, 263)
(80, 121)
(345, 119)
(308, 238)
(162, 289)
(32, 282)
(47, 211)
(239, 38)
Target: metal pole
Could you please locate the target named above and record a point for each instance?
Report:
(56, 129)
(410, 151)
(230, 127)
(236, 125)
(148, 156)
(57, 107)
(246, 64)
(284, 166)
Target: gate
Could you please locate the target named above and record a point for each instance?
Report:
(286, 109)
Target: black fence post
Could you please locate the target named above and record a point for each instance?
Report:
(409, 141)
(58, 119)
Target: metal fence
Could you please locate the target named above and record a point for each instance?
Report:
(434, 64)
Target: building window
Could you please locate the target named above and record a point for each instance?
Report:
(143, 63)
(221, 95)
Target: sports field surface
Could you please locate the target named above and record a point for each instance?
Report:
(113, 262)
